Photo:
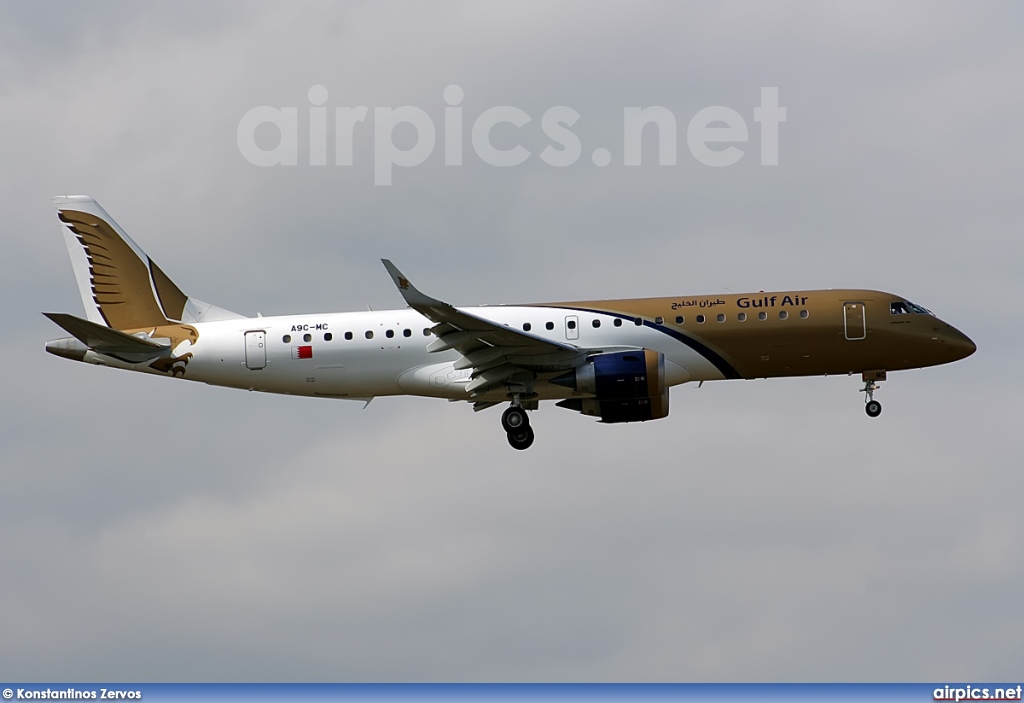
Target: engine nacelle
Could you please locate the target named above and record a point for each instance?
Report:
(626, 410)
(626, 386)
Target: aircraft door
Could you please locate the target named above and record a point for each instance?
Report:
(572, 327)
(255, 350)
(855, 322)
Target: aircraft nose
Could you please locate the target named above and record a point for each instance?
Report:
(960, 344)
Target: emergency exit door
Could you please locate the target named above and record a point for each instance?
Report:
(572, 327)
(255, 350)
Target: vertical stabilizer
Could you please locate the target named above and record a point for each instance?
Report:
(120, 286)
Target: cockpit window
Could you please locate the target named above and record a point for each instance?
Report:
(905, 307)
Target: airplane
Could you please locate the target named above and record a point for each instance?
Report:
(610, 359)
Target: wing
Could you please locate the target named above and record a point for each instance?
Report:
(498, 354)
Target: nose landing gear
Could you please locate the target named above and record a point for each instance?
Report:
(516, 424)
(871, 406)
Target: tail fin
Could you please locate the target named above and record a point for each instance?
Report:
(120, 286)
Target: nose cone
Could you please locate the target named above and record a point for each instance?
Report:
(959, 343)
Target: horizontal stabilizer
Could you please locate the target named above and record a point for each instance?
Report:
(106, 340)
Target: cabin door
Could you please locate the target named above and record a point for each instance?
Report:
(255, 350)
(855, 324)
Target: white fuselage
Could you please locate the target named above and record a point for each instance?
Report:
(377, 353)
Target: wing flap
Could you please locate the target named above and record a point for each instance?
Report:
(480, 358)
(491, 377)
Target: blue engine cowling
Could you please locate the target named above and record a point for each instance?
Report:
(623, 386)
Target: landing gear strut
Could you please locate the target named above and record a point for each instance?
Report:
(516, 424)
(871, 406)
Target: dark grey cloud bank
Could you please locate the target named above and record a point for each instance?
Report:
(765, 530)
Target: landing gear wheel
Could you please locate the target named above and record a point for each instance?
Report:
(521, 438)
(514, 419)
(871, 406)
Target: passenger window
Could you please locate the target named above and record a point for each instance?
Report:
(328, 336)
(618, 322)
(742, 317)
(680, 319)
(426, 331)
(307, 338)
(700, 319)
(287, 338)
(407, 332)
(803, 314)
(389, 334)
(639, 321)
(659, 320)
(527, 327)
(762, 315)
(549, 325)
(571, 324)
(783, 315)
(369, 334)
(721, 317)
(348, 336)
(596, 323)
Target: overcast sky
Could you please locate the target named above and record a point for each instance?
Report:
(765, 530)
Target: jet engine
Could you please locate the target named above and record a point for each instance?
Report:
(622, 386)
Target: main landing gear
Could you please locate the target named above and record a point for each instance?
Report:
(516, 424)
(871, 406)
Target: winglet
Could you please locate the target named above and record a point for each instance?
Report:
(410, 293)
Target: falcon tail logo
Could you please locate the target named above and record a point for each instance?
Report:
(175, 365)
